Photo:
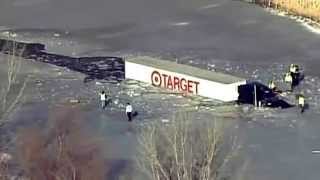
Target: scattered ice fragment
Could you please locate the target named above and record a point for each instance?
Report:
(165, 120)
(181, 24)
(315, 151)
(6, 33)
(98, 83)
(229, 69)
(209, 6)
(74, 101)
(5, 157)
(56, 35)
(116, 101)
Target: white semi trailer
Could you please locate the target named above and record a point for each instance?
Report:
(183, 78)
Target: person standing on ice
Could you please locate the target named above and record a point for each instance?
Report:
(288, 80)
(129, 112)
(293, 68)
(301, 102)
(103, 99)
(295, 73)
(272, 85)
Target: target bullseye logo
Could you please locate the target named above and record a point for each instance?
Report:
(174, 83)
(156, 78)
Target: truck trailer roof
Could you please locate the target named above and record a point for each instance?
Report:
(186, 69)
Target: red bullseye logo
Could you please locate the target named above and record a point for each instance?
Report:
(174, 83)
(156, 78)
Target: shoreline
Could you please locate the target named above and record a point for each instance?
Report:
(311, 25)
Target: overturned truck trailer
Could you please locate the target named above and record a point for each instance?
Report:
(183, 78)
(195, 81)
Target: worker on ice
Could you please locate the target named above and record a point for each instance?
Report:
(288, 79)
(129, 112)
(272, 85)
(293, 68)
(295, 73)
(103, 99)
(301, 102)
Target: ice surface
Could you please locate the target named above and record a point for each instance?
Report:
(276, 144)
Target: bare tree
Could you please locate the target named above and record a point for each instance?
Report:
(11, 92)
(183, 150)
(65, 151)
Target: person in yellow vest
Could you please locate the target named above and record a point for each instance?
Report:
(293, 68)
(272, 85)
(301, 102)
(288, 79)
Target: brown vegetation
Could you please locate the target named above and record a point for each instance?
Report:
(63, 150)
(66, 151)
(305, 8)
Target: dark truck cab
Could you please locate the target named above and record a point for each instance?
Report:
(265, 95)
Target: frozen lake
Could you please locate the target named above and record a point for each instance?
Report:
(229, 35)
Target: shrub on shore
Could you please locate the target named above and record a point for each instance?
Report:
(305, 8)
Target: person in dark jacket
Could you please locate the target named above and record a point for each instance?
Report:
(129, 112)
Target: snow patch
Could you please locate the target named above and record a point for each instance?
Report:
(9, 34)
(56, 35)
(311, 28)
(165, 120)
(209, 6)
(316, 152)
(181, 24)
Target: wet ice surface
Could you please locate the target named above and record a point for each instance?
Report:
(275, 142)
(225, 35)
